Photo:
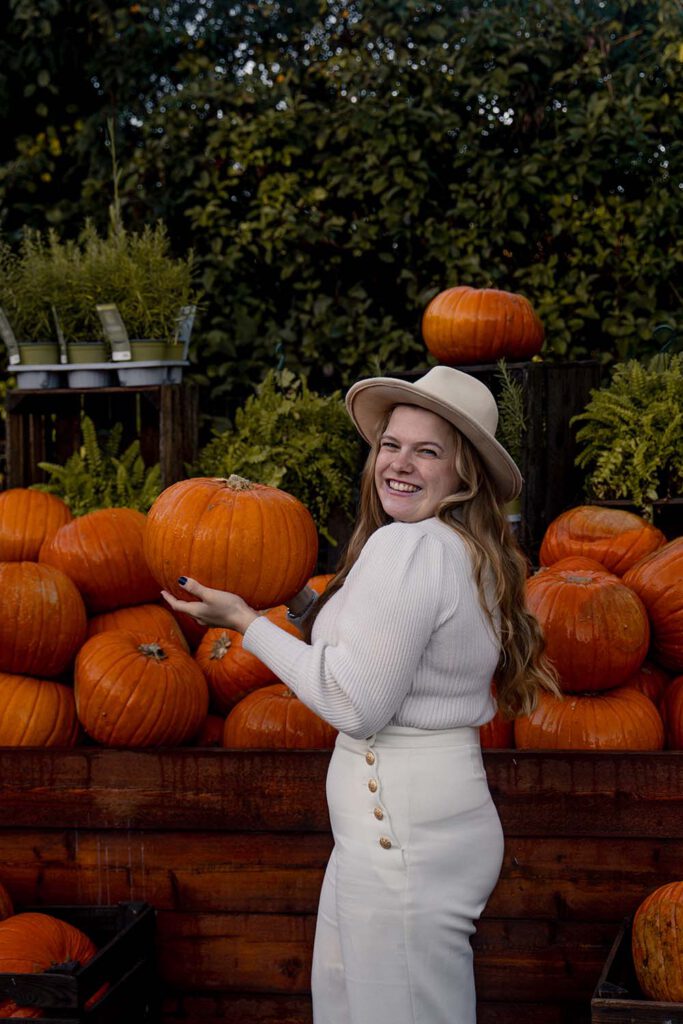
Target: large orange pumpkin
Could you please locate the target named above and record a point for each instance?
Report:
(102, 553)
(615, 538)
(36, 713)
(273, 718)
(31, 943)
(146, 617)
(596, 629)
(27, 519)
(230, 671)
(657, 944)
(138, 691)
(42, 624)
(658, 581)
(620, 719)
(255, 541)
(465, 325)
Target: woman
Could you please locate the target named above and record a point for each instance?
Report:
(428, 604)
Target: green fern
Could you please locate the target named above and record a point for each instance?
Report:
(98, 476)
(290, 437)
(632, 433)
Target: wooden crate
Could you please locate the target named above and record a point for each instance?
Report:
(618, 998)
(230, 848)
(124, 936)
(44, 426)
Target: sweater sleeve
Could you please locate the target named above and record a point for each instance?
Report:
(396, 595)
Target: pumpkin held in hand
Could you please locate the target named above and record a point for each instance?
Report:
(465, 325)
(255, 541)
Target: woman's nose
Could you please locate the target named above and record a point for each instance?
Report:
(403, 460)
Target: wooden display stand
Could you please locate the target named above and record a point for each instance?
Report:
(44, 426)
(230, 847)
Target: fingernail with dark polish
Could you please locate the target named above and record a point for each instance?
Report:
(182, 580)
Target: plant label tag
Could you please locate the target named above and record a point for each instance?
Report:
(183, 331)
(63, 355)
(115, 332)
(7, 334)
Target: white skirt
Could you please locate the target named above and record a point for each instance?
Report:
(418, 848)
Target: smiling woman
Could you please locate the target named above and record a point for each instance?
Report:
(427, 604)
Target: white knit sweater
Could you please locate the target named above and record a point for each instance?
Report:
(404, 642)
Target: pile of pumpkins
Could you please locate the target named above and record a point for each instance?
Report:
(609, 598)
(89, 652)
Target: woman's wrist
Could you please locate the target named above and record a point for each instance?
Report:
(244, 619)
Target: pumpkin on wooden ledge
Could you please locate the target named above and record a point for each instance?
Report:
(102, 553)
(619, 719)
(43, 619)
(614, 538)
(273, 718)
(138, 690)
(657, 579)
(464, 325)
(231, 534)
(36, 713)
(27, 519)
(232, 672)
(595, 627)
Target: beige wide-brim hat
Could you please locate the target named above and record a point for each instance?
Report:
(458, 397)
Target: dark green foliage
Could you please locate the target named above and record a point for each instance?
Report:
(99, 476)
(632, 433)
(334, 166)
(288, 436)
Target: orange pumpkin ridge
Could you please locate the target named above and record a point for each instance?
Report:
(613, 537)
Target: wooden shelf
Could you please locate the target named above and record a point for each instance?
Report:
(43, 425)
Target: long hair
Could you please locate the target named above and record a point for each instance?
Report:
(500, 569)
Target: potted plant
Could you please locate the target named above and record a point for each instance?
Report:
(632, 436)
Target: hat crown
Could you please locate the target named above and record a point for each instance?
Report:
(463, 391)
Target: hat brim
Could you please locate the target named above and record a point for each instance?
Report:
(368, 401)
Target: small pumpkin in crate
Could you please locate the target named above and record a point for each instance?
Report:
(464, 325)
(499, 733)
(595, 627)
(274, 718)
(651, 680)
(657, 579)
(27, 519)
(614, 538)
(672, 712)
(619, 719)
(210, 733)
(43, 619)
(36, 713)
(102, 553)
(247, 538)
(31, 943)
(138, 690)
(657, 944)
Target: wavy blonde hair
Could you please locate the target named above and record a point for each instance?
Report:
(476, 514)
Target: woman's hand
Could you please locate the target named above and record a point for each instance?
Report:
(214, 607)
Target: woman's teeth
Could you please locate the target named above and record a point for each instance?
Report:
(396, 485)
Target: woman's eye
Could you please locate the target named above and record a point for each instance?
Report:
(387, 444)
(428, 451)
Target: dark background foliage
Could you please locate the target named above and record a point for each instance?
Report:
(335, 165)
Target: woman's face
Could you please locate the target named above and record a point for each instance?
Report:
(415, 467)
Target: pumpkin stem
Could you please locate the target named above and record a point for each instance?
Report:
(239, 483)
(220, 647)
(153, 650)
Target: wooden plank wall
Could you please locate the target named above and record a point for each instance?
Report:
(230, 848)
